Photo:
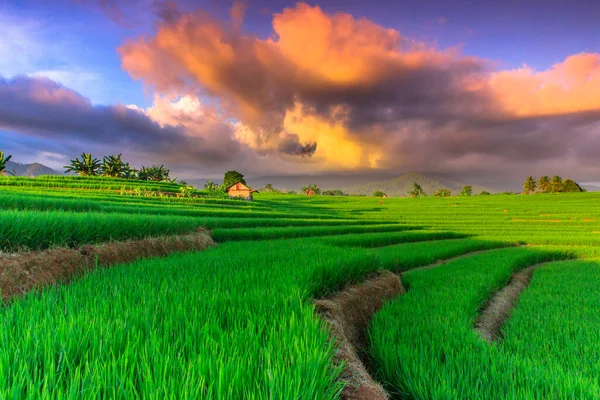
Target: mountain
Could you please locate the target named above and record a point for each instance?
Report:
(403, 184)
(34, 169)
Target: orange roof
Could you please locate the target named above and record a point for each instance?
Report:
(240, 186)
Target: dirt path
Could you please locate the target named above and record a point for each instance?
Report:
(500, 306)
(22, 272)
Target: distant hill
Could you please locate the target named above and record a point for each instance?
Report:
(34, 169)
(401, 185)
(359, 183)
(295, 182)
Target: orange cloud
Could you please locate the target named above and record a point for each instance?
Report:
(570, 86)
(352, 93)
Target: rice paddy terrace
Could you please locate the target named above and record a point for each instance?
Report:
(287, 298)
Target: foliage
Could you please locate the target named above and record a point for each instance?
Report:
(129, 172)
(442, 193)
(87, 166)
(113, 166)
(530, 185)
(155, 173)
(3, 162)
(311, 189)
(556, 184)
(467, 190)
(186, 191)
(543, 185)
(570, 186)
(379, 193)
(334, 192)
(417, 191)
(484, 193)
(231, 178)
(270, 189)
(210, 186)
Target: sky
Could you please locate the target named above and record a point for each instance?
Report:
(490, 91)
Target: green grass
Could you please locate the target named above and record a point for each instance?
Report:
(223, 323)
(237, 321)
(424, 344)
(33, 230)
(222, 235)
(555, 328)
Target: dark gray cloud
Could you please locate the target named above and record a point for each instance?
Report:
(42, 108)
(291, 145)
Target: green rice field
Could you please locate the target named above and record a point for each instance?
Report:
(238, 321)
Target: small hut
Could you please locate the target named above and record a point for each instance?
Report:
(240, 190)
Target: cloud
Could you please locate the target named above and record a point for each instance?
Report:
(42, 108)
(572, 85)
(323, 92)
(359, 95)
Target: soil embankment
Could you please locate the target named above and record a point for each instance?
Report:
(498, 309)
(22, 272)
(348, 313)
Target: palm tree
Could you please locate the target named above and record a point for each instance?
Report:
(129, 172)
(543, 184)
(113, 166)
(556, 184)
(529, 185)
(311, 190)
(88, 166)
(3, 162)
(157, 173)
(210, 186)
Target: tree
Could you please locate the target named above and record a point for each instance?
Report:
(570, 186)
(442, 193)
(543, 184)
(270, 189)
(467, 190)
(185, 191)
(210, 186)
(484, 193)
(556, 184)
(231, 178)
(417, 191)
(156, 173)
(3, 162)
(87, 166)
(113, 166)
(529, 186)
(379, 193)
(311, 190)
(129, 172)
(333, 192)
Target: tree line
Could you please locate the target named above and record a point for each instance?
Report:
(114, 167)
(550, 185)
